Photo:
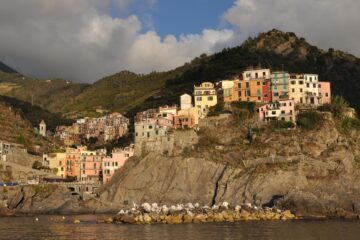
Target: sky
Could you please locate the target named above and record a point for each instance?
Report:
(85, 40)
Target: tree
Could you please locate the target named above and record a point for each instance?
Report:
(339, 106)
(37, 165)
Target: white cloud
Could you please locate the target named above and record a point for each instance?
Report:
(327, 23)
(79, 40)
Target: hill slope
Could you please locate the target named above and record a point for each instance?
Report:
(275, 49)
(5, 68)
(130, 92)
(15, 128)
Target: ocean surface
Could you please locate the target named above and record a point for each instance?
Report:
(54, 227)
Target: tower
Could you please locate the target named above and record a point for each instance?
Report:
(42, 128)
(185, 102)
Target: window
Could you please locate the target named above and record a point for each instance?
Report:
(259, 98)
(256, 75)
(282, 112)
(310, 79)
(301, 82)
(314, 85)
(148, 134)
(239, 85)
(264, 74)
(273, 112)
(301, 90)
(293, 82)
(307, 85)
(326, 94)
(292, 90)
(239, 93)
(199, 99)
(290, 104)
(276, 94)
(258, 92)
(301, 100)
(291, 111)
(210, 98)
(258, 83)
(94, 165)
(150, 127)
(247, 85)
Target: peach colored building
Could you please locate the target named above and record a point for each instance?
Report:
(283, 110)
(117, 159)
(325, 92)
(91, 166)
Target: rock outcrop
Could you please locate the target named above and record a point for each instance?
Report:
(312, 173)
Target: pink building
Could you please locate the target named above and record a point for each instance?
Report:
(283, 110)
(325, 92)
(116, 161)
(165, 119)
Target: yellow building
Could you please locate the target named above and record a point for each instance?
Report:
(227, 87)
(56, 161)
(205, 97)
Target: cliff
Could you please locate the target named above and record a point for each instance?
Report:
(313, 173)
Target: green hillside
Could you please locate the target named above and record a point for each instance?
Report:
(5, 68)
(129, 92)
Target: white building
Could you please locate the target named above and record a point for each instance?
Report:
(256, 74)
(42, 128)
(185, 102)
(312, 92)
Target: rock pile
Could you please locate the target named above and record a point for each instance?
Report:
(189, 213)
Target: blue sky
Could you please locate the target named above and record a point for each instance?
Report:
(178, 17)
(188, 16)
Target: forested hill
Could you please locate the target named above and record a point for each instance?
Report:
(129, 92)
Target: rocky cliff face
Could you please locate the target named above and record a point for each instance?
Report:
(313, 173)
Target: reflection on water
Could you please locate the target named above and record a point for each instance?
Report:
(54, 227)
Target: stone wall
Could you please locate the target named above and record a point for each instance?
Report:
(171, 145)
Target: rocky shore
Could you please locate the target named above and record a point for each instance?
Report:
(189, 213)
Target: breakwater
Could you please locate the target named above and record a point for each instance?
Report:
(194, 213)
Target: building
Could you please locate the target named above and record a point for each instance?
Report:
(149, 129)
(91, 166)
(283, 110)
(297, 88)
(227, 90)
(56, 162)
(104, 129)
(250, 86)
(312, 93)
(185, 101)
(42, 128)
(187, 116)
(115, 161)
(280, 86)
(205, 97)
(325, 92)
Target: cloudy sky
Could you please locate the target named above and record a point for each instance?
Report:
(84, 40)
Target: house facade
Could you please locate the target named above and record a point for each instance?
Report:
(325, 92)
(115, 161)
(283, 110)
(280, 86)
(205, 97)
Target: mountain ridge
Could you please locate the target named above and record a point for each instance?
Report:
(130, 92)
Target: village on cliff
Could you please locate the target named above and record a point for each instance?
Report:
(279, 96)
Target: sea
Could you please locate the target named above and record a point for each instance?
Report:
(55, 227)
